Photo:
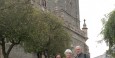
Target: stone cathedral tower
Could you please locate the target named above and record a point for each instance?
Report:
(69, 11)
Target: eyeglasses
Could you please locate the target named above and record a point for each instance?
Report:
(77, 49)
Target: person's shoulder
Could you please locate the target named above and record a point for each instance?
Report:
(74, 56)
(86, 55)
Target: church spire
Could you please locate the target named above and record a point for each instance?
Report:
(84, 29)
(84, 25)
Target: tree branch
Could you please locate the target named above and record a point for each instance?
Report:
(3, 47)
(17, 42)
(13, 42)
(12, 45)
(10, 48)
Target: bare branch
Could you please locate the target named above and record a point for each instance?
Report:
(12, 41)
(10, 48)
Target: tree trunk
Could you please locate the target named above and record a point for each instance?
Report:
(45, 54)
(39, 55)
(6, 56)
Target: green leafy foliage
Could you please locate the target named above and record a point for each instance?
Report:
(109, 30)
(14, 24)
(13, 21)
(56, 39)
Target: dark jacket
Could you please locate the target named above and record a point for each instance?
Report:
(82, 55)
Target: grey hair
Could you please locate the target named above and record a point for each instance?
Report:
(67, 51)
(78, 47)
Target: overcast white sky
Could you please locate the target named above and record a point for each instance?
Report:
(93, 11)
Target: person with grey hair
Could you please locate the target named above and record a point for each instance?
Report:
(79, 53)
(68, 53)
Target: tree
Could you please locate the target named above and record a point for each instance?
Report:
(109, 30)
(19, 23)
(58, 38)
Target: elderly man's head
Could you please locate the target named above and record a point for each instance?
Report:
(68, 53)
(58, 56)
(78, 49)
